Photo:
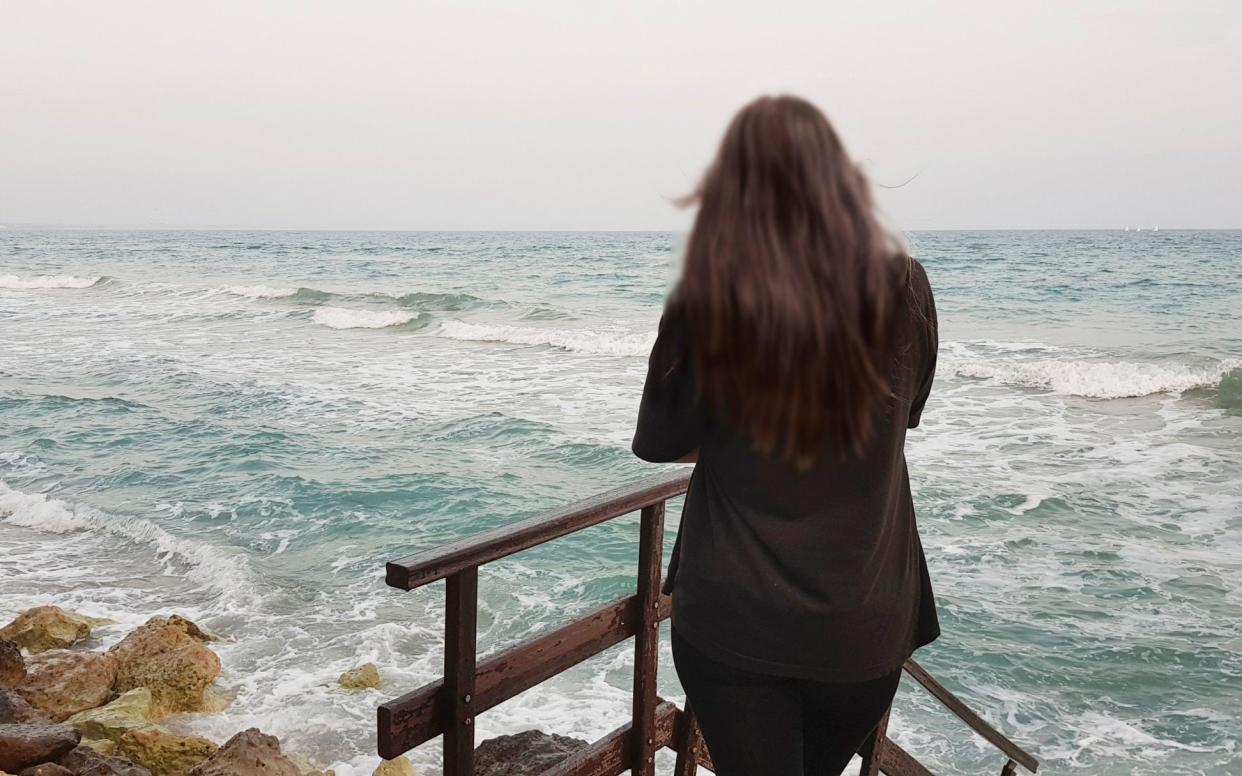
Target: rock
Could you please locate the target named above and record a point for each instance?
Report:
(47, 769)
(85, 761)
(131, 711)
(22, 746)
(12, 666)
(249, 753)
(62, 683)
(398, 766)
(15, 709)
(215, 700)
(47, 627)
(363, 677)
(525, 754)
(165, 753)
(169, 662)
(186, 626)
(103, 746)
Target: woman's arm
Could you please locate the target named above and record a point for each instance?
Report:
(670, 419)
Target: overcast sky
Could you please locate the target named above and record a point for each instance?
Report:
(580, 114)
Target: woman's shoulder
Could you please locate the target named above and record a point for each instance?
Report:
(918, 284)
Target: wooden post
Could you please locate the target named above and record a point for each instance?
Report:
(686, 742)
(873, 747)
(647, 640)
(460, 650)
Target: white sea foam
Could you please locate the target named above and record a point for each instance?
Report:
(1089, 378)
(580, 341)
(344, 318)
(260, 292)
(37, 511)
(14, 282)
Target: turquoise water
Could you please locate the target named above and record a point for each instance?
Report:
(244, 426)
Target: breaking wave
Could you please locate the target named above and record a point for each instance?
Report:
(39, 512)
(1089, 378)
(13, 282)
(344, 318)
(260, 292)
(421, 300)
(578, 341)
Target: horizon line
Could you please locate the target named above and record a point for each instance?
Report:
(106, 228)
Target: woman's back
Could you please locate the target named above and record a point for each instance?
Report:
(809, 572)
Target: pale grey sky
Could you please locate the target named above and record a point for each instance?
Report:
(590, 115)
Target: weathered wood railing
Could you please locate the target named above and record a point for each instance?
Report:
(469, 688)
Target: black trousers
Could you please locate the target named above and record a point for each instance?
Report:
(760, 725)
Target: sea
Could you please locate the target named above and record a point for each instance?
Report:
(242, 427)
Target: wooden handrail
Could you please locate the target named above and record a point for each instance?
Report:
(414, 571)
(448, 707)
(968, 715)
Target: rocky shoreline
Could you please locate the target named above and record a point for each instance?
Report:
(67, 711)
(70, 711)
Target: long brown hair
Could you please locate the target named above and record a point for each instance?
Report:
(790, 284)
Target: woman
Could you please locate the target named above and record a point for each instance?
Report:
(797, 348)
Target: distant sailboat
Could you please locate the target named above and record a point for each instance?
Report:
(1127, 228)
(1157, 229)
(1138, 228)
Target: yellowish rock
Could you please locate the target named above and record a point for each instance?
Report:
(216, 700)
(131, 711)
(165, 753)
(186, 626)
(62, 683)
(174, 666)
(365, 676)
(398, 766)
(47, 627)
(100, 745)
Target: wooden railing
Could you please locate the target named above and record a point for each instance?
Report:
(448, 707)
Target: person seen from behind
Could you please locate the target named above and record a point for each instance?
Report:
(796, 349)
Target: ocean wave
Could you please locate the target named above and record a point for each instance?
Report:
(1092, 379)
(345, 318)
(260, 292)
(578, 341)
(428, 300)
(39, 512)
(13, 282)
(421, 300)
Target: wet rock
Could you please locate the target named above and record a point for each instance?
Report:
(165, 753)
(85, 761)
(525, 754)
(186, 626)
(47, 769)
(47, 627)
(216, 700)
(22, 746)
(15, 710)
(12, 666)
(363, 677)
(249, 753)
(131, 711)
(398, 766)
(61, 683)
(173, 665)
(103, 746)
